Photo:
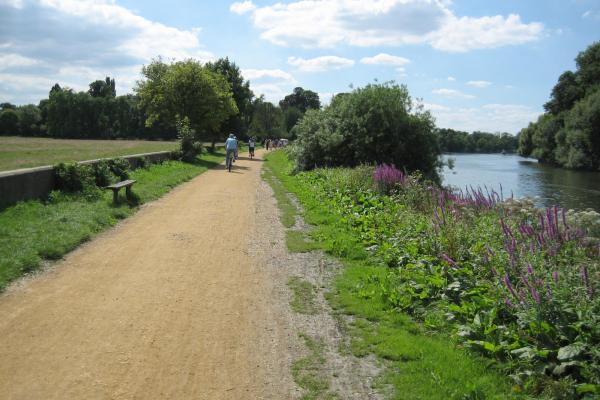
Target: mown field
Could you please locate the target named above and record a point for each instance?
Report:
(23, 152)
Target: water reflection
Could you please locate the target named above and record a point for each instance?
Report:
(526, 178)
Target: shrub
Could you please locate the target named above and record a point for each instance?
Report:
(120, 167)
(103, 175)
(73, 177)
(372, 125)
(190, 148)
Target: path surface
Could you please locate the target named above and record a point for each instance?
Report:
(166, 305)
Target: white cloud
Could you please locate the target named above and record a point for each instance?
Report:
(274, 84)
(15, 60)
(479, 84)
(467, 33)
(277, 74)
(451, 93)
(319, 64)
(435, 107)
(451, 79)
(242, 7)
(385, 59)
(91, 39)
(325, 97)
(325, 24)
(488, 118)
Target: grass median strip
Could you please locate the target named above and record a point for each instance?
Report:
(309, 373)
(33, 231)
(304, 293)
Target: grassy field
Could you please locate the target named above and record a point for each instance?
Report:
(22, 152)
(34, 231)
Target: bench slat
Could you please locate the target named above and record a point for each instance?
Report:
(119, 185)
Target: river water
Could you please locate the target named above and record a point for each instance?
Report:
(525, 177)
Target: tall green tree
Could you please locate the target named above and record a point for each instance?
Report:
(105, 88)
(267, 119)
(301, 99)
(242, 95)
(171, 92)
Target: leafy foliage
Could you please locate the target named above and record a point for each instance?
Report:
(374, 124)
(511, 282)
(567, 135)
(452, 141)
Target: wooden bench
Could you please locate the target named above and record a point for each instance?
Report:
(117, 186)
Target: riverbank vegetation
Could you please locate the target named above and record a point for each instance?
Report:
(452, 141)
(568, 133)
(33, 232)
(509, 282)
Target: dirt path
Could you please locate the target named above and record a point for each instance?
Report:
(166, 305)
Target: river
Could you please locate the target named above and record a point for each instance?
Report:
(525, 177)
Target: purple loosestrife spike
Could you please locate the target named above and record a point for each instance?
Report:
(535, 295)
(449, 260)
(508, 303)
(555, 276)
(529, 269)
(509, 286)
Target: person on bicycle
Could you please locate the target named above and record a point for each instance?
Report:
(251, 146)
(230, 147)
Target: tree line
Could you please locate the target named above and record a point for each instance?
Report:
(452, 141)
(214, 98)
(568, 133)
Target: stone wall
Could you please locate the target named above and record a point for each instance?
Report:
(35, 183)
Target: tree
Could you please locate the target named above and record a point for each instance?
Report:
(171, 92)
(267, 119)
(302, 100)
(29, 120)
(9, 122)
(242, 95)
(374, 124)
(588, 64)
(565, 93)
(7, 106)
(105, 88)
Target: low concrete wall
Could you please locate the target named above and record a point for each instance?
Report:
(35, 183)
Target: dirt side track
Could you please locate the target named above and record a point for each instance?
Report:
(166, 305)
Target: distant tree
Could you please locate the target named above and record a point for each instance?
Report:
(291, 117)
(242, 95)
(302, 100)
(171, 92)
(29, 120)
(7, 106)
(267, 119)
(105, 88)
(9, 122)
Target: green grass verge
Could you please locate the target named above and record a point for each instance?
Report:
(309, 372)
(287, 208)
(32, 231)
(304, 293)
(419, 365)
(24, 152)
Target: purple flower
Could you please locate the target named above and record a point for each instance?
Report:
(449, 260)
(555, 276)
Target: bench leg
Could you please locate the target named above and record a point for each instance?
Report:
(128, 192)
(115, 196)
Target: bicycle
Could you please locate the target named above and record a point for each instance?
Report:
(229, 161)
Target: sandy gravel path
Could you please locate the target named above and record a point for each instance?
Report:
(167, 305)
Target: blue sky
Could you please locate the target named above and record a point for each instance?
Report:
(477, 65)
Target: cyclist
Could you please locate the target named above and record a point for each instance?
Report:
(230, 147)
(251, 145)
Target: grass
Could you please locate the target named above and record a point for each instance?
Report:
(23, 152)
(419, 365)
(304, 301)
(33, 231)
(309, 372)
(287, 208)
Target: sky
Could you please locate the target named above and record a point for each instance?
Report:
(476, 65)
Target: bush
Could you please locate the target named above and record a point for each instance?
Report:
(103, 175)
(120, 167)
(73, 177)
(373, 125)
(190, 148)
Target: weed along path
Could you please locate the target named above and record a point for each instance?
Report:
(169, 304)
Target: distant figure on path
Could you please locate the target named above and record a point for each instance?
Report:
(251, 146)
(230, 147)
(267, 143)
